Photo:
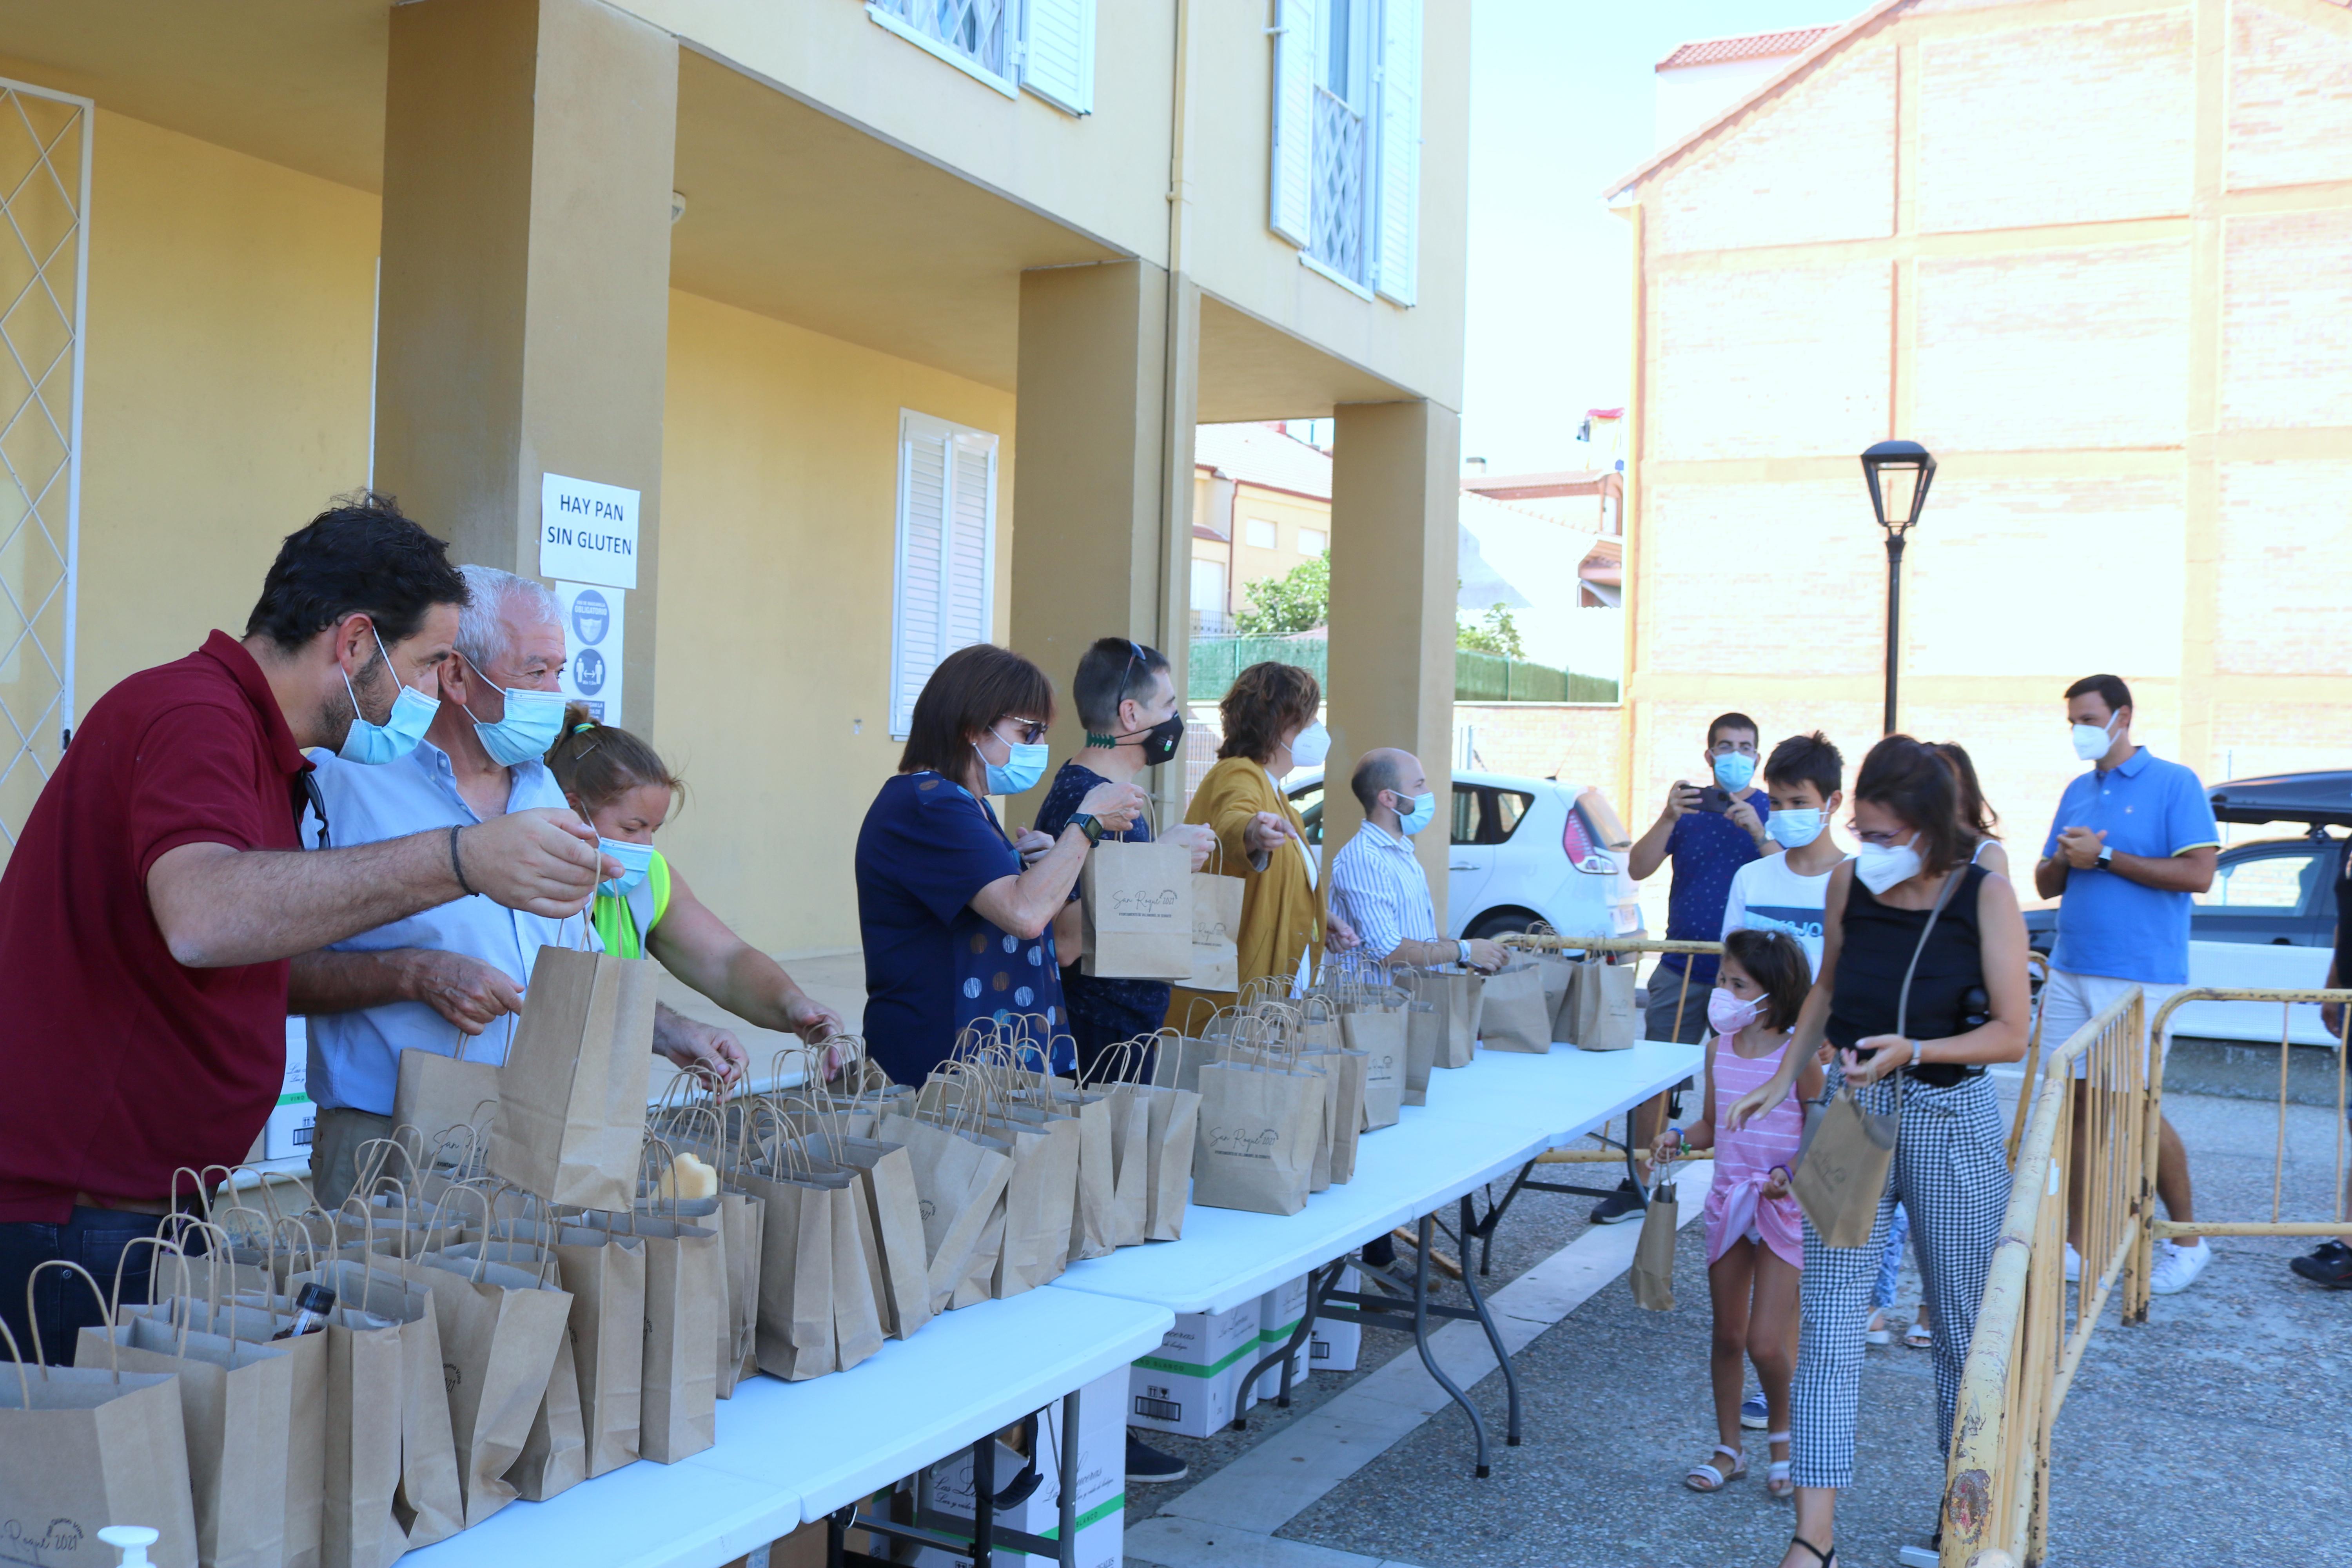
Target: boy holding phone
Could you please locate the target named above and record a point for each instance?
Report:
(1709, 833)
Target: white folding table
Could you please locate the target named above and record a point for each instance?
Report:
(788, 1453)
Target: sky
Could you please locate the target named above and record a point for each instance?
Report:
(1560, 105)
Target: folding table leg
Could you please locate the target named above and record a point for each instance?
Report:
(1494, 1335)
(1319, 1287)
(1420, 1343)
(983, 1501)
(1068, 1555)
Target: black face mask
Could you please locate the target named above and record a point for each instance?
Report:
(1162, 741)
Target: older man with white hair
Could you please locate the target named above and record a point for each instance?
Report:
(439, 977)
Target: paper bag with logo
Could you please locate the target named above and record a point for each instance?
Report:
(604, 1275)
(1347, 1071)
(1260, 1121)
(884, 1174)
(83, 1447)
(436, 1094)
(1379, 1034)
(686, 1297)
(1216, 919)
(1606, 1018)
(1653, 1253)
(1171, 1121)
(1458, 994)
(1115, 1075)
(572, 1095)
(1138, 919)
(1513, 1014)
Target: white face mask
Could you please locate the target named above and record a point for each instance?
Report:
(1881, 866)
(1311, 746)
(2092, 741)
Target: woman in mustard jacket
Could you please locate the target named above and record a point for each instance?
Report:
(1270, 728)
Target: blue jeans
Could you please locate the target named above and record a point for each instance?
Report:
(1890, 1262)
(63, 1304)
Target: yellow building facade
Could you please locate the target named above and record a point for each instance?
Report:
(899, 339)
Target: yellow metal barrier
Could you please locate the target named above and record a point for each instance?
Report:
(2135, 1305)
(2030, 1340)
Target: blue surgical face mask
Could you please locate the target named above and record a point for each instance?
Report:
(533, 720)
(412, 715)
(1733, 769)
(1019, 772)
(636, 860)
(1794, 827)
(1423, 813)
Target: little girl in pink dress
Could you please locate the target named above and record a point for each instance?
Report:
(1755, 1238)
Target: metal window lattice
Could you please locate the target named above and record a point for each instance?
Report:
(972, 28)
(1337, 231)
(44, 203)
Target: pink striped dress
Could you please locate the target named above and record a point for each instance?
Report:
(1737, 1208)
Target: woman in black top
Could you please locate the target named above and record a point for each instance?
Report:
(1967, 1008)
(2331, 1264)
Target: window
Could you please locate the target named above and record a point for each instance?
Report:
(1263, 535)
(1313, 542)
(1484, 815)
(946, 552)
(1209, 617)
(2266, 885)
(1045, 46)
(1347, 140)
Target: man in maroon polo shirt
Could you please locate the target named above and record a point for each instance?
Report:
(158, 889)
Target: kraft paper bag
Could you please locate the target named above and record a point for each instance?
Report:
(1559, 976)
(1038, 1196)
(1567, 974)
(83, 1447)
(1257, 1132)
(894, 1223)
(1130, 1158)
(1172, 1132)
(1350, 1071)
(1606, 1016)
(858, 1330)
(571, 1096)
(604, 1275)
(1091, 1223)
(1653, 1253)
(236, 1411)
(1513, 1014)
(1137, 922)
(1460, 995)
(256, 1320)
(392, 1480)
(554, 1456)
(686, 1297)
(437, 1094)
(498, 1326)
(743, 1219)
(1841, 1167)
(1424, 1042)
(1380, 1035)
(795, 1337)
(1216, 922)
(958, 1187)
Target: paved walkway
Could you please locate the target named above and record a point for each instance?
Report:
(2212, 1434)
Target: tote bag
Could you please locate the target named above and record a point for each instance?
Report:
(1137, 922)
(571, 1096)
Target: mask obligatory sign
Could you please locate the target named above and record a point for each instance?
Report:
(594, 622)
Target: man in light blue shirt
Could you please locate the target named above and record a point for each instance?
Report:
(457, 972)
(2134, 841)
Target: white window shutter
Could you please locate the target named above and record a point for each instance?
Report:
(1057, 52)
(946, 552)
(1399, 222)
(1293, 119)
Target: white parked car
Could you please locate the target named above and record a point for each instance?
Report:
(1523, 850)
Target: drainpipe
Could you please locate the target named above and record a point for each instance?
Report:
(1178, 403)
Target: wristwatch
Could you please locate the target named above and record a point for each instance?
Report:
(1090, 826)
(2107, 857)
(1462, 954)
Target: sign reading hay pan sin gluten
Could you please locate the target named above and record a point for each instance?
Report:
(587, 531)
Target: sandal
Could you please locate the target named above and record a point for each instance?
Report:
(1776, 1474)
(1828, 1558)
(1918, 1336)
(1708, 1476)
(1877, 1332)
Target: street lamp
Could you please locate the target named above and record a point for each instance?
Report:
(1898, 474)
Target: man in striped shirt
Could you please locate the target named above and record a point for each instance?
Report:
(1378, 885)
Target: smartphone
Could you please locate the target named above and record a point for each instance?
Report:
(1715, 798)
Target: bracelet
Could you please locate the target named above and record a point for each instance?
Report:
(458, 866)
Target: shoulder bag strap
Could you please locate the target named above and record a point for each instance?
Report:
(1952, 880)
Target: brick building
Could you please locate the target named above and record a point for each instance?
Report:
(2092, 255)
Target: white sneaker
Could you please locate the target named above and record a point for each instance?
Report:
(2074, 1265)
(2177, 1267)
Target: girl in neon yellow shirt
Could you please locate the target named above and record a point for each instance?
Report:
(620, 785)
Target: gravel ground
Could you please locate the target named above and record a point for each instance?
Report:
(2155, 1452)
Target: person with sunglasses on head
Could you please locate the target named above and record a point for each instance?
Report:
(956, 929)
(1128, 703)
(159, 888)
(1921, 986)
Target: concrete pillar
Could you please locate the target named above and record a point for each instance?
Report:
(524, 311)
(1103, 485)
(1395, 492)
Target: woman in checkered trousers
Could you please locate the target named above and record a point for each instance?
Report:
(1967, 1009)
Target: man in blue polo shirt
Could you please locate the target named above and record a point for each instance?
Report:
(2133, 842)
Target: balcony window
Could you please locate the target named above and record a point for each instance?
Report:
(1347, 140)
(1045, 46)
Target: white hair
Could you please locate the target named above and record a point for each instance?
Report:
(481, 625)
